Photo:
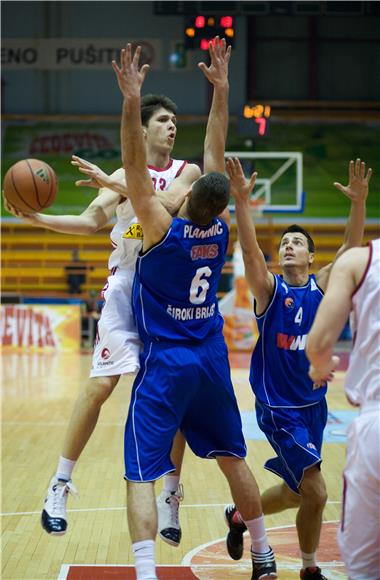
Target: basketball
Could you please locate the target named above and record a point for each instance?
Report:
(30, 185)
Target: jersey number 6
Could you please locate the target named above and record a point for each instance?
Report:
(199, 285)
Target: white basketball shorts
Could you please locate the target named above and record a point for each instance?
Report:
(359, 534)
(117, 344)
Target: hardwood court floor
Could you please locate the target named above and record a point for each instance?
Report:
(38, 393)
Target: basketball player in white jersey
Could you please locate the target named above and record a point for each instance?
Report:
(354, 286)
(117, 346)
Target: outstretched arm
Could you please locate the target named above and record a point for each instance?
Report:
(92, 219)
(171, 199)
(153, 217)
(357, 192)
(217, 125)
(260, 280)
(333, 313)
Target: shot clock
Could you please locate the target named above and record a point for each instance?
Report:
(254, 120)
(200, 30)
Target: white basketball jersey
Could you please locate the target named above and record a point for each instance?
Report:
(126, 235)
(363, 376)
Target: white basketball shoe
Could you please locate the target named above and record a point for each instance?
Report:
(169, 527)
(53, 517)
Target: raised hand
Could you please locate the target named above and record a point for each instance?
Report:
(240, 187)
(129, 76)
(357, 188)
(220, 54)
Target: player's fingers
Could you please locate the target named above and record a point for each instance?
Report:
(125, 57)
(357, 166)
(340, 187)
(351, 170)
(136, 56)
(122, 59)
(144, 69)
(369, 174)
(204, 69)
(228, 53)
(362, 169)
(237, 162)
(231, 167)
(84, 182)
(86, 170)
(116, 68)
(7, 205)
(216, 46)
(252, 180)
(79, 159)
(211, 50)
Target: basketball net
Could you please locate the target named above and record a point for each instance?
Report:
(257, 207)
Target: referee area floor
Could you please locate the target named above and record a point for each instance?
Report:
(38, 394)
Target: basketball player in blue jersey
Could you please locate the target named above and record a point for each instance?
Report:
(184, 378)
(290, 409)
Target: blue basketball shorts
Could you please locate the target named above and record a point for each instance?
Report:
(296, 436)
(186, 387)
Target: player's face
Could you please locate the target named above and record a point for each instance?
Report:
(294, 250)
(161, 130)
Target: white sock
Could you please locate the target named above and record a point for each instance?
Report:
(308, 560)
(171, 483)
(145, 563)
(65, 468)
(258, 535)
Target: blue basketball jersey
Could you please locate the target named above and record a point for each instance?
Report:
(174, 292)
(279, 367)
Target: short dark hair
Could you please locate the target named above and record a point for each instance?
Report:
(209, 197)
(296, 228)
(151, 103)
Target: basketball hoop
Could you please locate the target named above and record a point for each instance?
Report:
(257, 207)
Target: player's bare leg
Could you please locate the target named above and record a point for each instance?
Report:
(85, 414)
(142, 524)
(177, 453)
(246, 496)
(171, 495)
(82, 423)
(309, 518)
(279, 498)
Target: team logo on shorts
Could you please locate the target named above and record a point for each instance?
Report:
(134, 231)
(311, 446)
(105, 354)
(289, 303)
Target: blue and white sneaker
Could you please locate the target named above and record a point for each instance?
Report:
(53, 517)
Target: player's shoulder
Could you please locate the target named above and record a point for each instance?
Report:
(186, 169)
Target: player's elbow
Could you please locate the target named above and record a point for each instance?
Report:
(88, 226)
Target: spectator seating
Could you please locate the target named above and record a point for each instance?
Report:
(33, 259)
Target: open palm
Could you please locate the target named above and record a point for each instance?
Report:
(358, 180)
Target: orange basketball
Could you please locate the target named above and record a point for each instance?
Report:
(30, 185)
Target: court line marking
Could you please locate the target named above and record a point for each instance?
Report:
(65, 568)
(110, 509)
(186, 560)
